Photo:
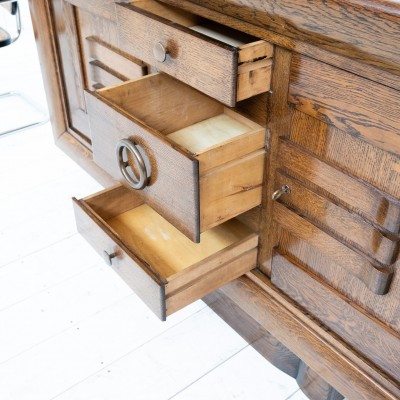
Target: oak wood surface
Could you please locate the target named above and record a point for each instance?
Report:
(103, 8)
(344, 225)
(354, 104)
(383, 307)
(278, 124)
(318, 347)
(324, 25)
(376, 278)
(101, 75)
(347, 152)
(340, 57)
(161, 245)
(364, 384)
(173, 192)
(71, 59)
(45, 37)
(211, 281)
(139, 276)
(231, 189)
(149, 252)
(227, 145)
(377, 343)
(363, 199)
(193, 57)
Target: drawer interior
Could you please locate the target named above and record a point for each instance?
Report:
(159, 244)
(206, 27)
(188, 118)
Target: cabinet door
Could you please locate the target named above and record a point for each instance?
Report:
(333, 194)
(72, 68)
(90, 57)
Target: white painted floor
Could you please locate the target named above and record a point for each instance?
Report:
(70, 329)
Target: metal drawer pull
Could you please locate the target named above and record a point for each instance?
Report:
(160, 52)
(130, 177)
(108, 257)
(285, 189)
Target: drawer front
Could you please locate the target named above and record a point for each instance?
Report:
(202, 62)
(174, 186)
(149, 287)
(203, 162)
(227, 254)
(376, 343)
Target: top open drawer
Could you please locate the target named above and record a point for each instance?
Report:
(221, 62)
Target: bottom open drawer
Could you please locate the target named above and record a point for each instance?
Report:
(165, 268)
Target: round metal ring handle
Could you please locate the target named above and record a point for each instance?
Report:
(160, 52)
(285, 189)
(133, 181)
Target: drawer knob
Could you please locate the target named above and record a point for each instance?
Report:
(285, 189)
(130, 176)
(160, 52)
(108, 257)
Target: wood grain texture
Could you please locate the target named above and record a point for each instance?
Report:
(270, 348)
(363, 199)
(101, 51)
(173, 192)
(314, 386)
(228, 147)
(337, 26)
(195, 58)
(385, 308)
(211, 281)
(347, 152)
(338, 364)
(278, 123)
(354, 104)
(231, 189)
(46, 43)
(377, 279)
(168, 251)
(66, 24)
(296, 44)
(346, 226)
(146, 249)
(199, 61)
(146, 283)
(377, 343)
(103, 8)
(100, 75)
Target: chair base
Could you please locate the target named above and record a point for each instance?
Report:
(28, 114)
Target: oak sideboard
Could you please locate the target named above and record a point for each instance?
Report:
(251, 154)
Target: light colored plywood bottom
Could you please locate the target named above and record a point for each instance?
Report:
(165, 248)
(235, 42)
(211, 132)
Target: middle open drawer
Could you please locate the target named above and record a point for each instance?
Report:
(195, 161)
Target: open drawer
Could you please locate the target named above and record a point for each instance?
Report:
(165, 269)
(227, 65)
(193, 160)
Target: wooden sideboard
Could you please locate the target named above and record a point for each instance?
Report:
(312, 278)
